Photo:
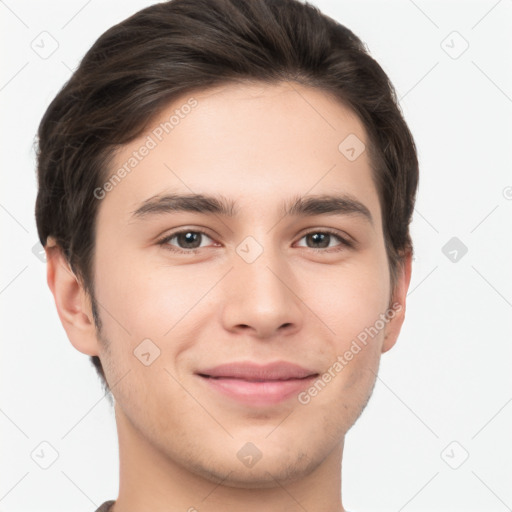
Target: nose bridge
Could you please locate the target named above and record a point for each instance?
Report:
(259, 294)
(261, 271)
(265, 274)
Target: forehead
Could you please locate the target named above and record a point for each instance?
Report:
(257, 143)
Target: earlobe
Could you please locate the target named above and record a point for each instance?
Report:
(73, 304)
(398, 303)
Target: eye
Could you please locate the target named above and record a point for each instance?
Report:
(322, 239)
(188, 241)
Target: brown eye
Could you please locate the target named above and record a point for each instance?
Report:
(185, 241)
(324, 240)
(188, 239)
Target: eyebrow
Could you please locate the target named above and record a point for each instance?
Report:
(306, 206)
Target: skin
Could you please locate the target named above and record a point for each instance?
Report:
(258, 145)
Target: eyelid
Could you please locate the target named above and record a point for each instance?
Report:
(163, 241)
(346, 241)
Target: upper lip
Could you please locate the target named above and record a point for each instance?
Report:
(279, 370)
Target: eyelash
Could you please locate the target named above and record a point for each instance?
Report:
(343, 245)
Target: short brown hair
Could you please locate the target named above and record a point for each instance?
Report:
(139, 66)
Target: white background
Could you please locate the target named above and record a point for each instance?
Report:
(447, 379)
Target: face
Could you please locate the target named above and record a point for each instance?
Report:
(285, 262)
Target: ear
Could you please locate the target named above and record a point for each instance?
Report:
(397, 303)
(72, 302)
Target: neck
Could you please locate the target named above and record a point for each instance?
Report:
(149, 480)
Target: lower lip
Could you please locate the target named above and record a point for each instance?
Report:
(258, 393)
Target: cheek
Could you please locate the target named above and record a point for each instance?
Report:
(349, 298)
(145, 298)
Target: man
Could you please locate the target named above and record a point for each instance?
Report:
(225, 192)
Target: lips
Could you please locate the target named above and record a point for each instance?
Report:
(257, 385)
(280, 370)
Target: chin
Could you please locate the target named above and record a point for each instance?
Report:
(265, 474)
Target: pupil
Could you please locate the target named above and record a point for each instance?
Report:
(189, 238)
(320, 238)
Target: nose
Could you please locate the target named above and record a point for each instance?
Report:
(261, 299)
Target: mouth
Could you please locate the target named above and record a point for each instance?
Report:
(258, 385)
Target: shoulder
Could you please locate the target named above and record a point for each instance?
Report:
(106, 506)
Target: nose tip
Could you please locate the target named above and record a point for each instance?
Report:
(260, 301)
